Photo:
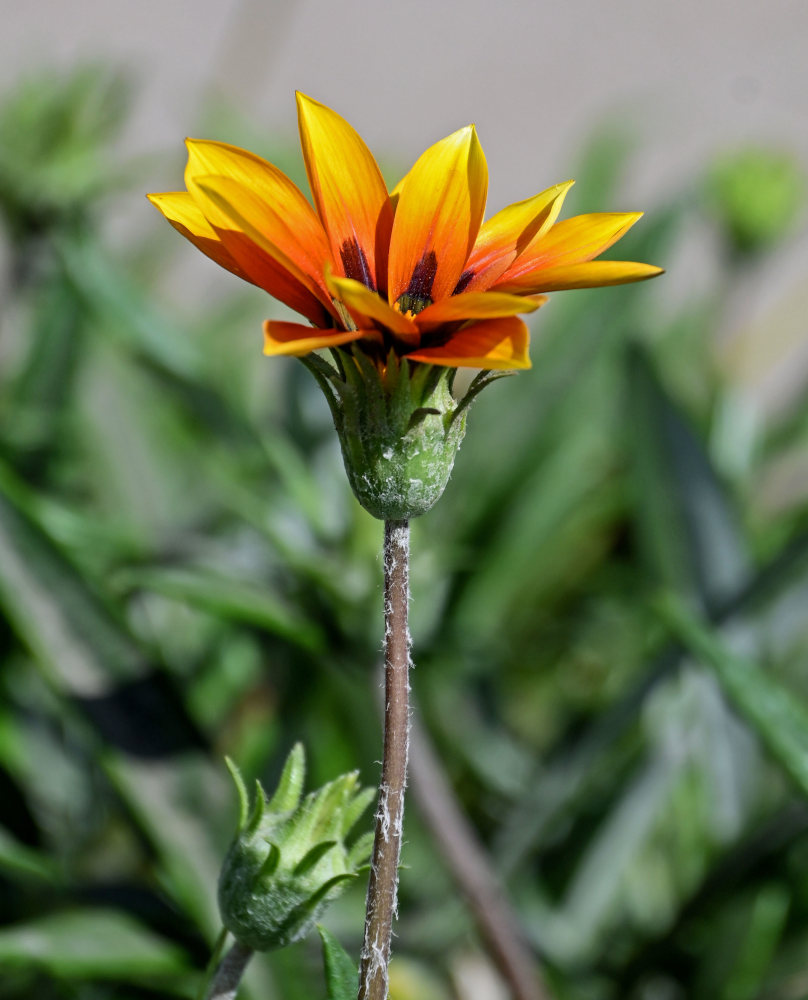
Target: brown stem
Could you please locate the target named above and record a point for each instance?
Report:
(228, 975)
(383, 884)
(471, 868)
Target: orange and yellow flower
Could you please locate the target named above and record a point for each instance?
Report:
(415, 270)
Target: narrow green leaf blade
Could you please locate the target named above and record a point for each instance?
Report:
(341, 973)
(229, 598)
(777, 717)
(688, 530)
(91, 944)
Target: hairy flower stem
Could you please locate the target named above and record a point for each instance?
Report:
(383, 884)
(224, 985)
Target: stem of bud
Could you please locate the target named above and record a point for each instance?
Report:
(224, 985)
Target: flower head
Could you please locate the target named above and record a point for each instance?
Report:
(391, 281)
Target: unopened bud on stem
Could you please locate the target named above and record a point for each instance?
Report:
(289, 858)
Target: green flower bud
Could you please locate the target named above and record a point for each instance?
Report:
(757, 195)
(399, 428)
(289, 858)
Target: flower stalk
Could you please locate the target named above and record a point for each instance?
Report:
(227, 977)
(383, 884)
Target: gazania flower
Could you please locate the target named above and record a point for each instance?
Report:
(415, 272)
(404, 287)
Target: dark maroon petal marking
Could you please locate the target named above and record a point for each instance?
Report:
(355, 263)
(419, 291)
(463, 282)
(423, 277)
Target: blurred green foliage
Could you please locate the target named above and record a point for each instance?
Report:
(608, 613)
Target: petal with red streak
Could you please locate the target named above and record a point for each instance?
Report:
(185, 216)
(242, 222)
(349, 192)
(235, 251)
(295, 339)
(590, 274)
(440, 208)
(492, 343)
(475, 305)
(288, 221)
(508, 233)
(572, 241)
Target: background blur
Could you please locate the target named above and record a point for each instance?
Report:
(608, 611)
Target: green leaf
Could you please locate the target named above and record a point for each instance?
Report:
(777, 717)
(687, 528)
(92, 944)
(72, 632)
(232, 599)
(756, 948)
(341, 973)
(83, 650)
(20, 861)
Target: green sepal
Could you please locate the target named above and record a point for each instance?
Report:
(352, 813)
(360, 850)
(290, 786)
(241, 791)
(478, 383)
(309, 860)
(258, 808)
(302, 917)
(270, 866)
(317, 897)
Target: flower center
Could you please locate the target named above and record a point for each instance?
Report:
(411, 305)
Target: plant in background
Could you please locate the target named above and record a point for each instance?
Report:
(402, 288)
(758, 195)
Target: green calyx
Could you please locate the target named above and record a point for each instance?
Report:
(399, 429)
(289, 858)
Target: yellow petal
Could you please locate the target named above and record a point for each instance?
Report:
(572, 241)
(235, 251)
(491, 343)
(363, 303)
(243, 222)
(395, 194)
(288, 222)
(296, 339)
(184, 215)
(590, 274)
(475, 305)
(349, 192)
(440, 208)
(508, 233)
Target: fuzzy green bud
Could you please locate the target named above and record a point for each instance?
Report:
(289, 858)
